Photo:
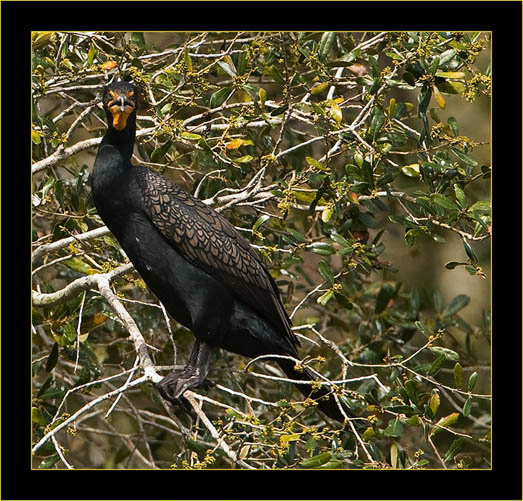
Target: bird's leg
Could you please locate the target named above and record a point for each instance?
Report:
(194, 375)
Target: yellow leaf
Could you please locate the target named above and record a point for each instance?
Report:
(316, 164)
(327, 213)
(262, 94)
(450, 74)
(446, 422)
(244, 159)
(108, 65)
(392, 107)
(187, 60)
(434, 402)
(354, 197)
(439, 97)
(41, 38)
(319, 87)
(190, 136)
(237, 142)
(368, 434)
(336, 113)
(36, 136)
(285, 439)
(411, 170)
(394, 455)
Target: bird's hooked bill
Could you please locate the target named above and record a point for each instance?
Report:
(120, 108)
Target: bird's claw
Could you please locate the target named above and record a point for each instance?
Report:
(174, 385)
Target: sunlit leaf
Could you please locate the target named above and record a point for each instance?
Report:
(445, 421)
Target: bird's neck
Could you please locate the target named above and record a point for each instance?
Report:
(123, 140)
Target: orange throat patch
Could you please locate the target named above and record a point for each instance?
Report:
(119, 117)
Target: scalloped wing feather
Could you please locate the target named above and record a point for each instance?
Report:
(210, 242)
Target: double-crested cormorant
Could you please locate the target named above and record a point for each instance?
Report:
(203, 271)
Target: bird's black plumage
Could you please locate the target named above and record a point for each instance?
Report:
(198, 265)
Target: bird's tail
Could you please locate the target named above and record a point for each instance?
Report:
(324, 396)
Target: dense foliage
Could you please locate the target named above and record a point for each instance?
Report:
(322, 148)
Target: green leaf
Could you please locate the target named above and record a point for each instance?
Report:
(159, 153)
(262, 219)
(52, 359)
(422, 327)
(472, 381)
(326, 43)
(368, 219)
(436, 365)
(276, 74)
(446, 56)
(49, 462)
(470, 253)
(467, 406)
(325, 271)
(464, 157)
(220, 96)
(343, 300)
(331, 465)
(403, 221)
(412, 391)
(454, 448)
(460, 195)
(402, 409)
(340, 240)
(228, 67)
(393, 429)
(317, 460)
(53, 392)
(424, 99)
(452, 264)
(443, 201)
(321, 248)
(138, 39)
(373, 61)
(480, 206)
(453, 124)
(457, 303)
(377, 122)
(300, 237)
(446, 352)
(458, 375)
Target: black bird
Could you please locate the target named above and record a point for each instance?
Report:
(198, 265)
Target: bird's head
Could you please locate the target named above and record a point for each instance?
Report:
(120, 100)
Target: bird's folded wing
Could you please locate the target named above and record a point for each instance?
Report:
(210, 242)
